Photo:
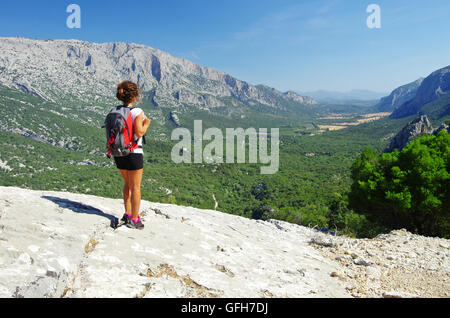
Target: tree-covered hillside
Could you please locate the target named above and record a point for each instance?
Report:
(60, 146)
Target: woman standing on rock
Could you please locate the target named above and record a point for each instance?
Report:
(132, 166)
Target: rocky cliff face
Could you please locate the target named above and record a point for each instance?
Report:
(414, 129)
(64, 70)
(399, 96)
(55, 244)
(300, 99)
(443, 126)
(433, 87)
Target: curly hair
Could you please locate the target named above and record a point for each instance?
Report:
(127, 92)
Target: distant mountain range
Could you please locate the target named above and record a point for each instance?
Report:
(431, 96)
(399, 96)
(73, 70)
(324, 96)
(428, 96)
(76, 74)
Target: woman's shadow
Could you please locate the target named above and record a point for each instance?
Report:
(82, 208)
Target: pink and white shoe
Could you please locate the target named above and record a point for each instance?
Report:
(135, 224)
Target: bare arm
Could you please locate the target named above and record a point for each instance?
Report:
(141, 125)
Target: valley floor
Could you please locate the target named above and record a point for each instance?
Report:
(350, 120)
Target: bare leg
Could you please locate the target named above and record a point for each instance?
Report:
(134, 183)
(126, 192)
(127, 198)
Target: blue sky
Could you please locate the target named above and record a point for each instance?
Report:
(290, 45)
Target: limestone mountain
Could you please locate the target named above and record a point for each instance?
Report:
(84, 72)
(355, 95)
(399, 96)
(432, 89)
(413, 130)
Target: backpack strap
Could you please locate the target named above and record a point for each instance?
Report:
(144, 142)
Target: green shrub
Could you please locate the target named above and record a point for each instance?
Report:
(313, 215)
(407, 189)
(288, 214)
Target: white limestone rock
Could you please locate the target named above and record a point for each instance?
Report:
(55, 244)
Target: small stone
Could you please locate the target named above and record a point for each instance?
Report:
(25, 258)
(370, 253)
(361, 262)
(322, 241)
(52, 274)
(395, 294)
(224, 270)
(338, 275)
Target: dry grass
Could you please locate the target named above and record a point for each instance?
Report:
(167, 270)
(224, 270)
(90, 246)
(338, 126)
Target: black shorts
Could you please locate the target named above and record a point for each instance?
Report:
(134, 161)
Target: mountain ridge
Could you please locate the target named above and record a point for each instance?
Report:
(432, 88)
(399, 96)
(52, 69)
(326, 96)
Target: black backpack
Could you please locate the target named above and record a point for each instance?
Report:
(120, 132)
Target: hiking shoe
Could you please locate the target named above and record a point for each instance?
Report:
(126, 218)
(133, 224)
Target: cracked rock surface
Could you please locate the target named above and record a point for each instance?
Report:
(55, 244)
(394, 265)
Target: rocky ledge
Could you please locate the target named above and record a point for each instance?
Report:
(394, 265)
(55, 244)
